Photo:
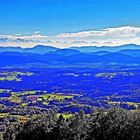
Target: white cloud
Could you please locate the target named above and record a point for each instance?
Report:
(104, 37)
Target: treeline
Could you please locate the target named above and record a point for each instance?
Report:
(113, 124)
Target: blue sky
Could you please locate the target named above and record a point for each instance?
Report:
(52, 17)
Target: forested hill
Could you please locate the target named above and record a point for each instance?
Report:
(113, 124)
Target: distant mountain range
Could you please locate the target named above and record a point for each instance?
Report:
(37, 49)
(85, 49)
(106, 48)
(48, 56)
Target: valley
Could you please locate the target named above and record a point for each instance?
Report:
(67, 90)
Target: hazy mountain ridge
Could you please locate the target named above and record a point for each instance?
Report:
(86, 49)
(107, 48)
(36, 49)
(48, 55)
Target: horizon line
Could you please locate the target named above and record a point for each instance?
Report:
(114, 36)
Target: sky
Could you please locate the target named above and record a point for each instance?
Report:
(44, 21)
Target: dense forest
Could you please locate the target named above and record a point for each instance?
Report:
(112, 124)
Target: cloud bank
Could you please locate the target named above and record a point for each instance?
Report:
(103, 37)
